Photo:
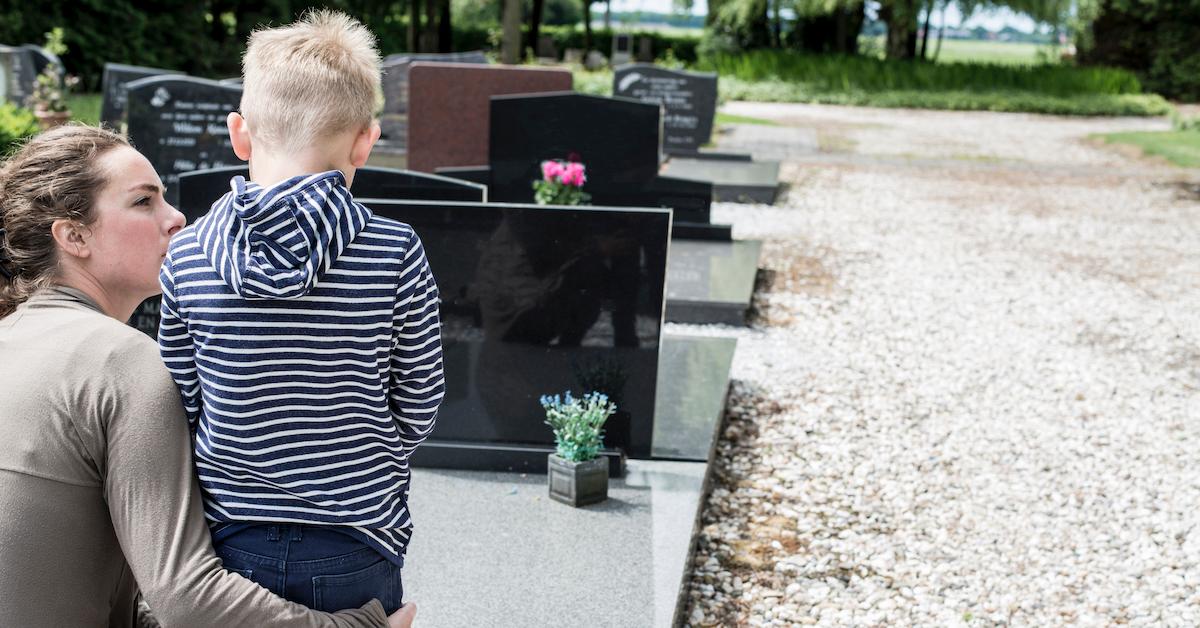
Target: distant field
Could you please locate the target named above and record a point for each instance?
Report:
(979, 51)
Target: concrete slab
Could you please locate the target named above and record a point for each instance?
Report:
(711, 282)
(493, 549)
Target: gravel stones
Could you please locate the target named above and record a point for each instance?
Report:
(971, 395)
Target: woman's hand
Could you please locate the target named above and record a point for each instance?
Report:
(403, 618)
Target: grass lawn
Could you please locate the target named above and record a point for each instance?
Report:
(1181, 148)
(729, 118)
(85, 108)
(979, 51)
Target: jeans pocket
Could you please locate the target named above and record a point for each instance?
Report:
(381, 581)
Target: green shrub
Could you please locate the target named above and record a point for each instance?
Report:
(16, 124)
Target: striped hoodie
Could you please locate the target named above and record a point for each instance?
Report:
(303, 333)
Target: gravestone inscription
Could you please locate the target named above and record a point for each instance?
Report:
(112, 89)
(689, 101)
(178, 123)
(18, 74)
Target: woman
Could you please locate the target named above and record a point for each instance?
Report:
(96, 483)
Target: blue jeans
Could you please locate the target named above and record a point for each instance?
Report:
(323, 569)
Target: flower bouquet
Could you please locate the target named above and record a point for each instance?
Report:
(561, 183)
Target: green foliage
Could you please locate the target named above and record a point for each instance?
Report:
(85, 108)
(577, 424)
(1181, 123)
(16, 124)
(1181, 148)
(828, 73)
(1157, 39)
(1012, 101)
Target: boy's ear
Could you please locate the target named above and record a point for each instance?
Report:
(363, 143)
(71, 238)
(239, 135)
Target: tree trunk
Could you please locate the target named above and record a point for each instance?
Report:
(535, 24)
(608, 15)
(925, 31)
(776, 25)
(414, 25)
(510, 46)
(587, 26)
(941, 31)
(445, 30)
(901, 19)
(429, 35)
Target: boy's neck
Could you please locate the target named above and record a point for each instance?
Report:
(268, 169)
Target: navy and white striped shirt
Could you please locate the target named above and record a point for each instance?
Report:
(303, 333)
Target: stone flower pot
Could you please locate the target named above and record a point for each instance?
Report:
(578, 483)
(50, 119)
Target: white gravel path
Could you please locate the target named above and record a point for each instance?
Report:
(972, 392)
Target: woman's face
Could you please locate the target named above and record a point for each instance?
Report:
(132, 226)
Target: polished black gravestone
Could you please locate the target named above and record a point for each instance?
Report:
(178, 123)
(199, 190)
(538, 300)
(394, 119)
(689, 101)
(617, 139)
(112, 89)
(622, 48)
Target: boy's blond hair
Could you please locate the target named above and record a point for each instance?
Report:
(306, 81)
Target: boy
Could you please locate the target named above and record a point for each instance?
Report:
(303, 332)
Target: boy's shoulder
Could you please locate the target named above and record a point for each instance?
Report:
(394, 231)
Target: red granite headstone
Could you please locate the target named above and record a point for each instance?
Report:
(448, 108)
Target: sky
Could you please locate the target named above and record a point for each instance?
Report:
(992, 20)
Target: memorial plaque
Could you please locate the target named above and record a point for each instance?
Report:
(689, 101)
(178, 123)
(622, 48)
(539, 300)
(18, 74)
(394, 119)
(448, 108)
(112, 89)
(199, 190)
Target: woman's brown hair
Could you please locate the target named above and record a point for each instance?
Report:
(54, 176)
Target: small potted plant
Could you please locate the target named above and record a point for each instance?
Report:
(49, 97)
(561, 183)
(578, 475)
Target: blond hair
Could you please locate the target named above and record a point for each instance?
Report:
(309, 80)
(54, 176)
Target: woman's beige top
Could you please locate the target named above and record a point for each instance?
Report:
(97, 489)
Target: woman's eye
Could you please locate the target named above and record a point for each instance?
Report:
(145, 200)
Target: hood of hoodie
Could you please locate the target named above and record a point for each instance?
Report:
(277, 242)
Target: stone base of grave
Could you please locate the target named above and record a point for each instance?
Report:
(693, 379)
(737, 181)
(493, 548)
(711, 282)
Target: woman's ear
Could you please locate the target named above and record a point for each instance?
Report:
(239, 135)
(71, 238)
(363, 143)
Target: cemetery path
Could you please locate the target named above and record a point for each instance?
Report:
(971, 392)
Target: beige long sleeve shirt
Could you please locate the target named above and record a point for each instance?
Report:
(97, 492)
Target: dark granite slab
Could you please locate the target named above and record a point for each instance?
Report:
(448, 108)
(112, 89)
(711, 282)
(18, 74)
(692, 388)
(734, 181)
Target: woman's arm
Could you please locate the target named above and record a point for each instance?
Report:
(154, 501)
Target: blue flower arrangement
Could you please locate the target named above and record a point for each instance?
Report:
(578, 423)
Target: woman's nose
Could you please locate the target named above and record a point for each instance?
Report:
(176, 222)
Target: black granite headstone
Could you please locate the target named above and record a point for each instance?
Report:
(42, 58)
(18, 74)
(622, 48)
(617, 140)
(112, 89)
(538, 300)
(394, 119)
(200, 189)
(178, 123)
(689, 101)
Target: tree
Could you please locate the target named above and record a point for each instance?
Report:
(1157, 39)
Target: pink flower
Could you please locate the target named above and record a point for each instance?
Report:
(572, 174)
(551, 169)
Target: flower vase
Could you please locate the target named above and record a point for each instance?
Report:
(578, 483)
(50, 119)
